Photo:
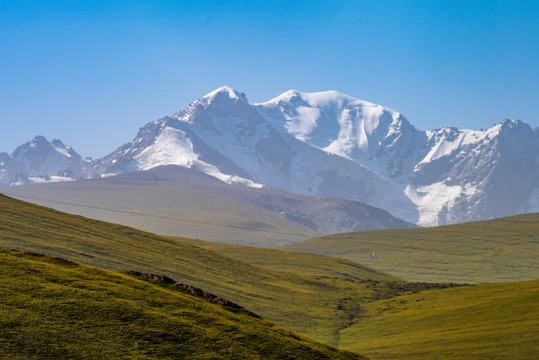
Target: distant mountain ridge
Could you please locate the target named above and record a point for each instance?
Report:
(332, 144)
(40, 161)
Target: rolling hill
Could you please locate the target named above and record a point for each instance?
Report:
(57, 309)
(312, 305)
(328, 299)
(498, 250)
(485, 321)
(173, 200)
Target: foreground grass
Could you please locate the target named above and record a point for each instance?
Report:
(351, 307)
(316, 306)
(57, 309)
(486, 321)
(500, 250)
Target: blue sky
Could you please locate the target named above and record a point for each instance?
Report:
(91, 73)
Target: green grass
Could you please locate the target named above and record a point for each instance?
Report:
(311, 305)
(500, 250)
(57, 309)
(486, 321)
(299, 263)
(336, 302)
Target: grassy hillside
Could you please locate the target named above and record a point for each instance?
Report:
(293, 262)
(498, 250)
(312, 305)
(171, 207)
(486, 321)
(350, 307)
(57, 309)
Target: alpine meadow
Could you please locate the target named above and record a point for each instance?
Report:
(272, 180)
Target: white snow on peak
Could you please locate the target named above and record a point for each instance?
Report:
(171, 147)
(174, 147)
(332, 121)
(318, 99)
(227, 91)
(447, 140)
(62, 150)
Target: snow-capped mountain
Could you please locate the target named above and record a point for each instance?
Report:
(449, 175)
(40, 160)
(332, 144)
(226, 137)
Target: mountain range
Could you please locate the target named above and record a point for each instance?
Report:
(324, 143)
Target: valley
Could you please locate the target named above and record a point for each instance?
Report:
(335, 301)
(269, 180)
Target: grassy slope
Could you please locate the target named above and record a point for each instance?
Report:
(498, 250)
(53, 309)
(176, 201)
(311, 305)
(159, 209)
(293, 262)
(355, 314)
(486, 321)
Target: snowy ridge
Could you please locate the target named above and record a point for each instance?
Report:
(325, 143)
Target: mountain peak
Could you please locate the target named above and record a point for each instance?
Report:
(319, 99)
(226, 92)
(40, 140)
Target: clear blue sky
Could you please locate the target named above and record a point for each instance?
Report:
(91, 73)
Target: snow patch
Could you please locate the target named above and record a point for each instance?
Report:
(302, 125)
(228, 179)
(38, 179)
(432, 199)
(172, 147)
(64, 151)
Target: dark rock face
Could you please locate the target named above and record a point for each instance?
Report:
(192, 290)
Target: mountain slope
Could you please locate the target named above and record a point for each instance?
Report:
(498, 250)
(331, 144)
(328, 144)
(157, 200)
(224, 136)
(65, 310)
(450, 175)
